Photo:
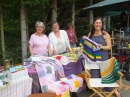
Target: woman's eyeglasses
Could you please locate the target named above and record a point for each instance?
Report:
(39, 26)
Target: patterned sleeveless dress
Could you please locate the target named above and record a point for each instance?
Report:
(100, 40)
(95, 73)
(104, 53)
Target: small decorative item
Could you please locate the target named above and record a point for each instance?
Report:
(7, 64)
(58, 57)
(129, 45)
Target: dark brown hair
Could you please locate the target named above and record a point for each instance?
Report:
(54, 22)
(93, 29)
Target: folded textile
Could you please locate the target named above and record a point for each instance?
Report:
(75, 83)
(58, 87)
(109, 70)
(59, 71)
(91, 51)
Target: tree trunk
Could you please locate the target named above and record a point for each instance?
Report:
(128, 18)
(45, 14)
(23, 31)
(91, 13)
(108, 22)
(2, 31)
(54, 11)
(26, 19)
(73, 13)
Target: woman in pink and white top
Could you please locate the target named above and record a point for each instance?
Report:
(71, 35)
(39, 42)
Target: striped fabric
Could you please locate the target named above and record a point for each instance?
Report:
(109, 70)
(21, 88)
(91, 51)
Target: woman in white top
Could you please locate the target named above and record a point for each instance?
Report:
(59, 42)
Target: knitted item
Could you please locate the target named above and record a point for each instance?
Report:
(109, 71)
(91, 51)
(75, 83)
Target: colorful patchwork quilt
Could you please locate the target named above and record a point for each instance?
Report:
(50, 72)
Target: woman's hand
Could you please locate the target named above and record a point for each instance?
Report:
(69, 50)
(71, 41)
(84, 36)
(54, 51)
(100, 46)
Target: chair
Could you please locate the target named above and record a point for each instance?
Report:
(96, 85)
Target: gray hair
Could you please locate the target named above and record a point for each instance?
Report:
(40, 23)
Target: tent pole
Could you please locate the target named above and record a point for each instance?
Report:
(128, 19)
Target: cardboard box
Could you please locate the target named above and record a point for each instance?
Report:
(43, 95)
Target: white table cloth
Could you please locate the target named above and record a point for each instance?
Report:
(21, 88)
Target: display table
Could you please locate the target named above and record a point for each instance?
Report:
(21, 88)
(70, 68)
(35, 83)
(74, 67)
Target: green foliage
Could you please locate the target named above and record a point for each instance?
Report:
(112, 26)
(66, 1)
(35, 9)
(38, 3)
(114, 20)
(13, 48)
(12, 26)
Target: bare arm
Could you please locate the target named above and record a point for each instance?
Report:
(49, 50)
(89, 34)
(107, 41)
(54, 51)
(30, 49)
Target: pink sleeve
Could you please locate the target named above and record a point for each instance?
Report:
(31, 40)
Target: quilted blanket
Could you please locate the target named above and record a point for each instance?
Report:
(109, 70)
(75, 83)
(46, 74)
(50, 72)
